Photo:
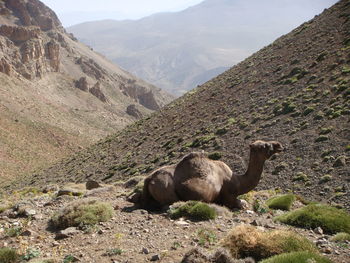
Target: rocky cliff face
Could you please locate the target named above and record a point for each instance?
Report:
(26, 49)
(57, 94)
(32, 40)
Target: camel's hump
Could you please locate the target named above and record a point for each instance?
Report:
(195, 155)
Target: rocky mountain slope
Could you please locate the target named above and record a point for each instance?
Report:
(295, 90)
(178, 51)
(56, 94)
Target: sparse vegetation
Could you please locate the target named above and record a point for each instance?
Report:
(283, 202)
(206, 237)
(295, 257)
(300, 177)
(8, 255)
(13, 231)
(194, 210)
(81, 213)
(341, 237)
(322, 138)
(330, 219)
(114, 252)
(326, 178)
(308, 110)
(246, 240)
(30, 254)
(324, 131)
(215, 156)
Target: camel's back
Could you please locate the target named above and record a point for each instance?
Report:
(197, 177)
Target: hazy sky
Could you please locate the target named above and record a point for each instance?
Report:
(72, 12)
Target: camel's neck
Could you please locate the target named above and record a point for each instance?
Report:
(251, 178)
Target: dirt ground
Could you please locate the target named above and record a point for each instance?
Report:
(136, 235)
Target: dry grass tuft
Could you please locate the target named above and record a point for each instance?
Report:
(248, 241)
(82, 213)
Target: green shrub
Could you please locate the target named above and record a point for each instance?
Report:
(8, 255)
(194, 210)
(206, 237)
(341, 237)
(82, 213)
(326, 178)
(30, 254)
(283, 202)
(13, 231)
(248, 241)
(322, 56)
(295, 257)
(321, 138)
(308, 110)
(215, 156)
(221, 131)
(324, 131)
(330, 219)
(114, 251)
(68, 259)
(300, 177)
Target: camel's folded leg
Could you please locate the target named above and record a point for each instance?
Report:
(233, 202)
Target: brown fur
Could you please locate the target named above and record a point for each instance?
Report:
(197, 177)
(158, 190)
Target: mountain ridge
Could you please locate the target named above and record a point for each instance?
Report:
(173, 50)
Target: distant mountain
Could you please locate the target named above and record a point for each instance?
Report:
(177, 51)
(295, 90)
(56, 94)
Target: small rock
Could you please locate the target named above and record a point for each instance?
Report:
(145, 251)
(28, 212)
(321, 242)
(250, 212)
(270, 226)
(340, 162)
(50, 188)
(140, 211)
(55, 244)
(16, 223)
(256, 222)
(318, 230)
(100, 232)
(181, 223)
(244, 204)
(68, 232)
(92, 185)
(327, 250)
(26, 233)
(155, 257)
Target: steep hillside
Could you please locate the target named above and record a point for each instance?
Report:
(178, 51)
(295, 90)
(56, 94)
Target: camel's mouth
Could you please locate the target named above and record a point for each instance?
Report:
(279, 149)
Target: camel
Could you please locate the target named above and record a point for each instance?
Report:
(158, 189)
(196, 177)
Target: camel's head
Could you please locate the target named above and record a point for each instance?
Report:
(266, 149)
